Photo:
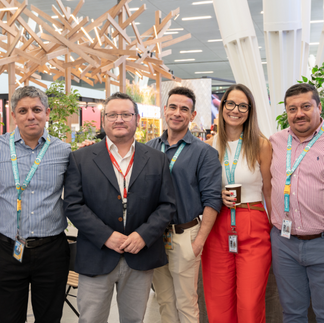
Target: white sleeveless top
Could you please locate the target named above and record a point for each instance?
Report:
(251, 181)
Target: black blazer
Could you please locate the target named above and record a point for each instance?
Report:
(92, 202)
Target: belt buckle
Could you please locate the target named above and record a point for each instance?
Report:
(27, 241)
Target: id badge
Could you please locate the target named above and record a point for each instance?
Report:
(167, 239)
(286, 228)
(232, 242)
(18, 250)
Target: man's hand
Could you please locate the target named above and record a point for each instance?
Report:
(196, 248)
(133, 244)
(115, 242)
(86, 143)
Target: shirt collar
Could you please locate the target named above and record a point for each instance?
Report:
(310, 137)
(187, 138)
(40, 140)
(113, 147)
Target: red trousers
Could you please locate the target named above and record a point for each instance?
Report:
(235, 284)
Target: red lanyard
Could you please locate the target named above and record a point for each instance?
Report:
(114, 161)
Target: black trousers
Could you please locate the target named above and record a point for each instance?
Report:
(45, 268)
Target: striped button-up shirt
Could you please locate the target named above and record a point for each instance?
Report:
(42, 209)
(307, 184)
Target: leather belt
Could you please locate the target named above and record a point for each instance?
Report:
(179, 228)
(31, 242)
(309, 237)
(252, 207)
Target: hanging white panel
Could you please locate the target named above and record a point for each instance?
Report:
(241, 45)
(283, 40)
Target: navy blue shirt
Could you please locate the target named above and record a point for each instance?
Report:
(197, 176)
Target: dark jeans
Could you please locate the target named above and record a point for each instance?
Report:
(46, 269)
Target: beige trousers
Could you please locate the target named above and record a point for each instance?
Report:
(176, 283)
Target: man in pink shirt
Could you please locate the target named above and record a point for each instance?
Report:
(298, 206)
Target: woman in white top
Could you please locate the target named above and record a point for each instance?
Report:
(237, 254)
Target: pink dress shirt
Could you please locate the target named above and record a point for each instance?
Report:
(307, 184)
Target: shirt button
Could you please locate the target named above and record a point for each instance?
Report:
(32, 192)
(119, 197)
(32, 232)
(294, 193)
(33, 152)
(296, 210)
(120, 219)
(32, 212)
(294, 175)
(298, 227)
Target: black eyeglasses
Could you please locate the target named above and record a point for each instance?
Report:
(124, 116)
(242, 107)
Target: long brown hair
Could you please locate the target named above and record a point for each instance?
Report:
(251, 138)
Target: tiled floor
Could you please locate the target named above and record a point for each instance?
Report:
(152, 312)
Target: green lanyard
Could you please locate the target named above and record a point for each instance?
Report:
(289, 170)
(175, 156)
(31, 173)
(231, 172)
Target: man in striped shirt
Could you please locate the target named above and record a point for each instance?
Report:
(33, 246)
(297, 206)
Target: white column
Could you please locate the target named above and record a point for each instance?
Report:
(320, 50)
(241, 45)
(306, 16)
(283, 40)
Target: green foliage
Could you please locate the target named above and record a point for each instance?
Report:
(316, 79)
(145, 95)
(62, 106)
(86, 133)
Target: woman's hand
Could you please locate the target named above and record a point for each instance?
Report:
(228, 199)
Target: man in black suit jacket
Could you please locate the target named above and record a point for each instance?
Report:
(120, 218)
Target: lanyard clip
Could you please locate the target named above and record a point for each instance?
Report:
(287, 189)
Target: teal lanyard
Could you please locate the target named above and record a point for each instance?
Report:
(289, 170)
(231, 172)
(31, 173)
(175, 156)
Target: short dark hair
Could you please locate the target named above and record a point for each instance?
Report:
(182, 90)
(123, 96)
(302, 88)
(28, 91)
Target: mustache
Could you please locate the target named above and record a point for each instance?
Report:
(301, 119)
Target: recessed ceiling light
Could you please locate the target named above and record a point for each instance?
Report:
(263, 63)
(316, 21)
(133, 9)
(202, 2)
(196, 18)
(214, 40)
(171, 32)
(207, 72)
(184, 60)
(190, 51)
(174, 29)
(312, 44)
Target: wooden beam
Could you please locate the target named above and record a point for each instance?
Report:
(46, 16)
(8, 60)
(176, 40)
(77, 62)
(26, 55)
(17, 13)
(157, 40)
(64, 22)
(60, 4)
(38, 83)
(76, 10)
(119, 29)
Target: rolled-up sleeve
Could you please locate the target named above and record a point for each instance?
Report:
(210, 179)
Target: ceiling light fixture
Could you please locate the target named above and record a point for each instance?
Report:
(196, 18)
(261, 12)
(201, 2)
(313, 44)
(185, 60)
(174, 29)
(176, 17)
(8, 9)
(214, 40)
(133, 9)
(263, 63)
(207, 72)
(171, 32)
(316, 21)
(190, 51)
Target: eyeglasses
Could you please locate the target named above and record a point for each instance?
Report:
(242, 107)
(124, 116)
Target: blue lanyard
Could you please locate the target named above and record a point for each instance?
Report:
(31, 173)
(289, 170)
(175, 156)
(231, 172)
